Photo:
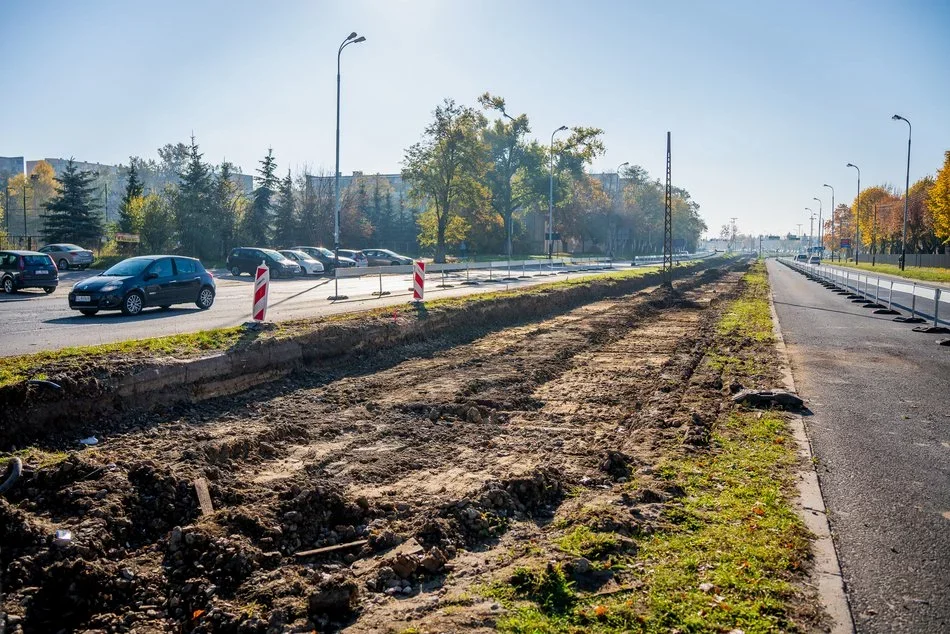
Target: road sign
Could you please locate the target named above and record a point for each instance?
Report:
(127, 237)
(845, 243)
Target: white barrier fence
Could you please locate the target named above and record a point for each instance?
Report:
(920, 300)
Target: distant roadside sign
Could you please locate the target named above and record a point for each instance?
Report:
(127, 237)
(845, 243)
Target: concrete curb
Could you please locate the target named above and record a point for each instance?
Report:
(811, 508)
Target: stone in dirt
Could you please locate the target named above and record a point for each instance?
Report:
(336, 594)
(434, 560)
(404, 565)
(768, 398)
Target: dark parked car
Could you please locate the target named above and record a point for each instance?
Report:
(356, 256)
(148, 280)
(385, 257)
(68, 256)
(326, 257)
(27, 269)
(247, 259)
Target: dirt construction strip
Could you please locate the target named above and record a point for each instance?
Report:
(514, 481)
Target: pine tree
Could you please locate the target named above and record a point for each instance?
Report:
(71, 215)
(225, 203)
(133, 189)
(285, 217)
(257, 223)
(193, 206)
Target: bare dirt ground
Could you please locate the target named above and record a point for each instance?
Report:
(434, 466)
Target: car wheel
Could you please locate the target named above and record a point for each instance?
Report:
(8, 286)
(88, 312)
(133, 304)
(63, 265)
(235, 271)
(205, 298)
(49, 289)
(274, 274)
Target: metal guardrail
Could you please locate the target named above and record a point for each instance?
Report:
(881, 291)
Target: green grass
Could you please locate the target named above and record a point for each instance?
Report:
(19, 368)
(923, 273)
(734, 529)
(583, 542)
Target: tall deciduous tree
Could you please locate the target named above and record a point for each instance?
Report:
(258, 223)
(227, 206)
(446, 169)
(157, 222)
(515, 175)
(71, 215)
(939, 201)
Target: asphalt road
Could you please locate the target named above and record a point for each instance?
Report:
(880, 430)
(31, 321)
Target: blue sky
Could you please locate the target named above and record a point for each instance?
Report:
(766, 100)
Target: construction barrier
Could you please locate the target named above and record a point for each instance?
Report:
(261, 287)
(418, 280)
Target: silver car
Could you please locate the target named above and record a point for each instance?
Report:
(68, 256)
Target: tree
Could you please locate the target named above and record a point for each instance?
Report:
(196, 233)
(258, 221)
(70, 214)
(227, 206)
(157, 222)
(446, 169)
(285, 217)
(939, 201)
(133, 190)
(515, 174)
(920, 225)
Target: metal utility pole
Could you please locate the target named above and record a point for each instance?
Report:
(857, 218)
(668, 222)
(799, 225)
(732, 234)
(897, 117)
(551, 201)
(832, 220)
(811, 230)
(821, 244)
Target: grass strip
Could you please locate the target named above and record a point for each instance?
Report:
(922, 273)
(728, 550)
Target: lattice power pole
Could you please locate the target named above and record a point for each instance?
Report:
(668, 223)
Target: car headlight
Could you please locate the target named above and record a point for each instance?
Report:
(110, 287)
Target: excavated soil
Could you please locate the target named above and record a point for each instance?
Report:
(425, 464)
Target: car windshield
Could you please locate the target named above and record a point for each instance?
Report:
(326, 252)
(300, 255)
(128, 268)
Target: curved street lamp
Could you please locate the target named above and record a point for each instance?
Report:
(352, 38)
(551, 200)
(857, 221)
(821, 243)
(811, 228)
(832, 220)
(897, 117)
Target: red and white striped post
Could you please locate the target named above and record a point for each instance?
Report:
(418, 280)
(261, 287)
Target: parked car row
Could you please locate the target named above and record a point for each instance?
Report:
(301, 260)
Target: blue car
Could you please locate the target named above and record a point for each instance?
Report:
(144, 281)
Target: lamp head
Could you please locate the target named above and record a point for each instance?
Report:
(563, 127)
(359, 39)
(897, 117)
(625, 163)
(351, 36)
(851, 165)
(827, 185)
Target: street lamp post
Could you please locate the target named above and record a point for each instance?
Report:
(897, 117)
(511, 149)
(551, 201)
(350, 39)
(811, 229)
(821, 242)
(857, 218)
(832, 220)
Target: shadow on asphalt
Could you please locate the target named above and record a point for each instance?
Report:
(149, 314)
(303, 292)
(843, 312)
(249, 279)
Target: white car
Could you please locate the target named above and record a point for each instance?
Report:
(308, 265)
(815, 259)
